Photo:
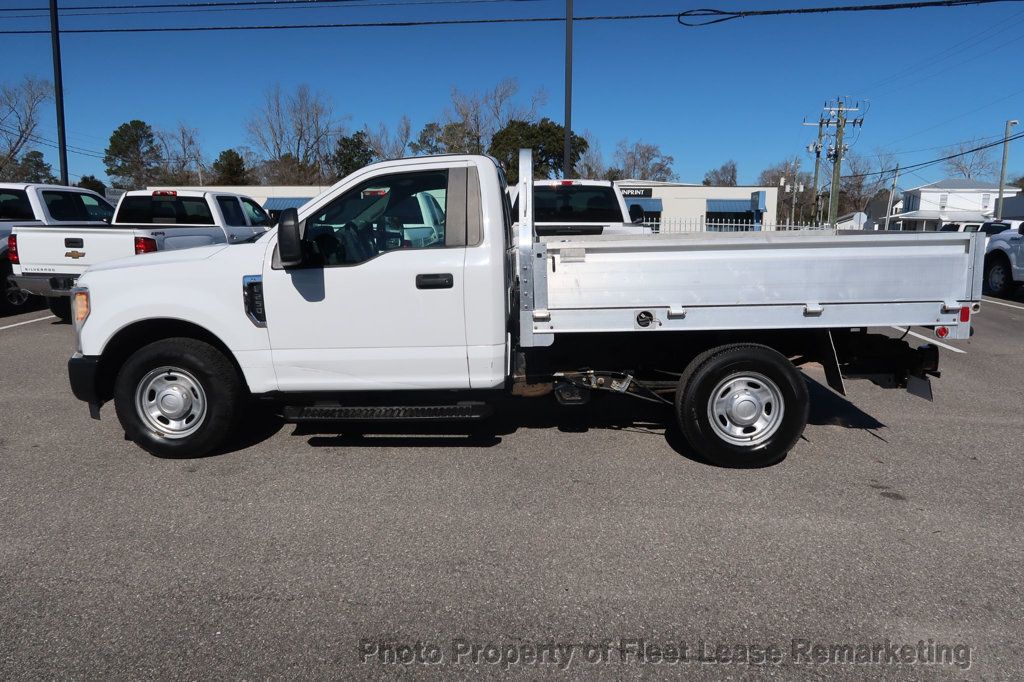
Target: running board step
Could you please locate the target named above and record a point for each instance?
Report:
(460, 411)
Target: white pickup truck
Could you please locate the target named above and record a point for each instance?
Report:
(1004, 259)
(48, 261)
(581, 207)
(36, 204)
(330, 318)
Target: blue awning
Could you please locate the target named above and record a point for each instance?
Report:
(729, 206)
(648, 205)
(281, 203)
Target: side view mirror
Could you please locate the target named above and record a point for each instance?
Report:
(289, 241)
(636, 213)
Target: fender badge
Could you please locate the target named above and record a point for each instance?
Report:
(75, 254)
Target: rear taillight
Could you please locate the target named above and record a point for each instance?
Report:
(965, 313)
(12, 249)
(145, 245)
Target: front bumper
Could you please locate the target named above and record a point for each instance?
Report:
(52, 286)
(83, 372)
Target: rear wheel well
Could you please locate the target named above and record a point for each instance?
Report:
(133, 337)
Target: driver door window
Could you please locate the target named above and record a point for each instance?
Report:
(390, 213)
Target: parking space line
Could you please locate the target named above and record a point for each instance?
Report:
(925, 338)
(38, 319)
(1008, 305)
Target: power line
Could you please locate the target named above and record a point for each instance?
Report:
(236, 6)
(923, 164)
(239, 3)
(696, 18)
(366, 24)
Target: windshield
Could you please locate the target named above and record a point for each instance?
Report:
(576, 204)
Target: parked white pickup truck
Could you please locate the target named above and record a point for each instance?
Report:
(1004, 259)
(35, 204)
(331, 319)
(48, 261)
(580, 207)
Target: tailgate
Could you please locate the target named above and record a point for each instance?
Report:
(69, 251)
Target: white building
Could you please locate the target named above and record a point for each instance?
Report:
(953, 200)
(691, 206)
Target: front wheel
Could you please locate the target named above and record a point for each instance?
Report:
(60, 307)
(998, 279)
(742, 405)
(178, 397)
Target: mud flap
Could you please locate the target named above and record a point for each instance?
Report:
(920, 386)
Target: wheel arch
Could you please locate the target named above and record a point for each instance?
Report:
(134, 336)
(997, 254)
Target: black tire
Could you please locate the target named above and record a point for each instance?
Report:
(781, 402)
(12, 299)
(998, 276)
(215, 378)
(61, 307)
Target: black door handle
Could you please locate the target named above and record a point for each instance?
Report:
(438, 281)
(73, 243)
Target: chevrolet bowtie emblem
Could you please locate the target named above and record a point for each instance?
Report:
(75, 254)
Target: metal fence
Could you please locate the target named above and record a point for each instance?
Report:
(679, 225)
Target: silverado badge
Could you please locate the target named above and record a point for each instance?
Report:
(75, 254)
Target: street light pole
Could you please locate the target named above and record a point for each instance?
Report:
(567, 140)
(1002, 173)
(58, 93)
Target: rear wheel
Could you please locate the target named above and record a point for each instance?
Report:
(178, 397)
(742, 405)
(998, 277)
(13, 299)
(61, 307)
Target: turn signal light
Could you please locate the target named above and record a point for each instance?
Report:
(145, 245)
(12, 249)
(80, 306)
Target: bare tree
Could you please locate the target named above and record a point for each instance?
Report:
(723, 176)
(591, 164)
(788, 177)
(183, 156)
(642, 161)
(474, 117)
(970, 162)
(388, 145)
(298, 128)
(19, 117)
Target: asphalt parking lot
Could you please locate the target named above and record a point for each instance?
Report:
(299, 554)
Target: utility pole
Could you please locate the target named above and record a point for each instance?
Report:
(1002, 173)
(816, 147)
(567, 169)
(58, 93)
(838, 119)
(792, 187)
(892, 194)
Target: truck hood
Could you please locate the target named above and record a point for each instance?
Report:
(192, 255)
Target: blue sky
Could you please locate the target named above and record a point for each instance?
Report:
(928, 78)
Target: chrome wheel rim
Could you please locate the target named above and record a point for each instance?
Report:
(746, 409)
(997, 277)
(171, 402)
